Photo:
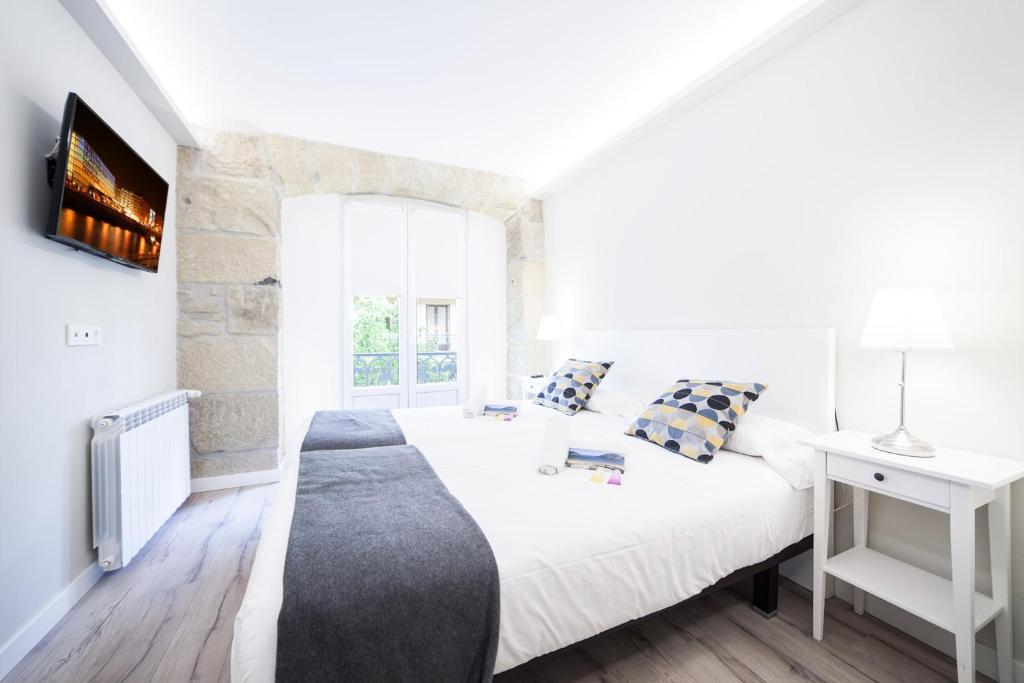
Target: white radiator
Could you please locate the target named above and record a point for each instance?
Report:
(140, 473)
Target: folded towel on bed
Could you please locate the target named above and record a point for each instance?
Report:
(554, 442)
(475, 405)
(344, 429)
(387, 577)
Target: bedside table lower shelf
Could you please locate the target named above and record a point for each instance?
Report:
(917, 591)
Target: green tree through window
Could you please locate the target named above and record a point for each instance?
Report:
(375, 341)
(376, 324)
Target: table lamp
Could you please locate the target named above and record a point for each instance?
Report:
(903, 320)
(549, 328)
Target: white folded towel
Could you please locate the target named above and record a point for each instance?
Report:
(554, 442)
(475, 405)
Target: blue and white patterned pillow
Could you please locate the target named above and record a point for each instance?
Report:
(695, 417)
(569, 389)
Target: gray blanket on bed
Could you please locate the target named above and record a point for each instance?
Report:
(387, 577)
(341, 429)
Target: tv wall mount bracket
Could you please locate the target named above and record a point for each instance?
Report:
(51, 162)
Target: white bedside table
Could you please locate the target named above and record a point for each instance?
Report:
(955, 482)
(530, 386)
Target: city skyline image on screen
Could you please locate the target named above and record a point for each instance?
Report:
(111, 202)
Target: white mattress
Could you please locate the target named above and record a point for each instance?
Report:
(574, 558)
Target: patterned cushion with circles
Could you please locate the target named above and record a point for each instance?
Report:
(569, 389)
(695, 417)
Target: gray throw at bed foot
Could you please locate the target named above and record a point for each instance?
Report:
(387, 577)
(340, 429)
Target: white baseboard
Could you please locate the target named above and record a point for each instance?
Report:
(15, 649)
(232, 481)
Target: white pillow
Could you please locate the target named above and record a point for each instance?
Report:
(776, 442)
(615, 403)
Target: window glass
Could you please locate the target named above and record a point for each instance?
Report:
(436, 341)
(375, 341)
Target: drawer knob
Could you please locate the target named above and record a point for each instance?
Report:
(879, 476)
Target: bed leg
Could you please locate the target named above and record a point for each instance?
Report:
(766, 592)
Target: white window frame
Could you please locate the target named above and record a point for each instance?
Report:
(407, 390)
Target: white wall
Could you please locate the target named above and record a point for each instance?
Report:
(887, 149)
(487, 313)
(50, 391)
(311, 309)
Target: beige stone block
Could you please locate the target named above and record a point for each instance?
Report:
(253, 309)
(515, 356)
(451, 185)
(412, 178)
(200, 301)
(533, 274)
(531, 239)
(509, 194)
(533, 210)
(195, 328)
(220, 464)
(228, 204)
(513, 239)
(234, 154)
(190, 161)
(233, 422)
(371, 173)
(335, 167)
(291, 165)
(225, 258)
(479, 190)
(228, 363)
(498, 213)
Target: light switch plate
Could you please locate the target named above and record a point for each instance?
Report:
(83, 335)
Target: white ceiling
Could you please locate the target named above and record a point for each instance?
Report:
(523, 87)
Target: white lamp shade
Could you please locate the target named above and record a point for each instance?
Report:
(549, 329)
(905, 319)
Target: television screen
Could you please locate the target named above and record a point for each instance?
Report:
(107, 200)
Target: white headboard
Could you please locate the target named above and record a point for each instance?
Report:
(797, 364)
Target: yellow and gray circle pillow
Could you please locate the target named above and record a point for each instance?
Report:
(569, 389)
(695, 417)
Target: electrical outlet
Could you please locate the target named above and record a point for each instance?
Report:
(83, 335)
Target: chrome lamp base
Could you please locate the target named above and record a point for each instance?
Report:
(901, 442)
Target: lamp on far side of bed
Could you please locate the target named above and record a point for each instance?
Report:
(549, 329)
(903, 320)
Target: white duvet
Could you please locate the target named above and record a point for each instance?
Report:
(574, 557)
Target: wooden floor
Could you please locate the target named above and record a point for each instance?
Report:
(168, 617)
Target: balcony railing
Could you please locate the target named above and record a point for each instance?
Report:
(374, 369)
(381, 369)
(436, 367)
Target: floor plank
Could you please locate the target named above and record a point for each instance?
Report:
(168, 617)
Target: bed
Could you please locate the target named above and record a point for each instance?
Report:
(577, 558)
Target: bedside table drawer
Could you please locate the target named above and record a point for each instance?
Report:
(889, 480)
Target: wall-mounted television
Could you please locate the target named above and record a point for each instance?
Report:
(106, 199)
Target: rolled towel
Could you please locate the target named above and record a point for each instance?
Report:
(554, 444)
(475, 405)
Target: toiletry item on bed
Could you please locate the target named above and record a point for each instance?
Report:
(554, 444)
(501, 410)
(475, 405)
(603, 476)
(590, 459)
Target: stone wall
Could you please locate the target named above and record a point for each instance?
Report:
(524, 234)
(229, 297)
